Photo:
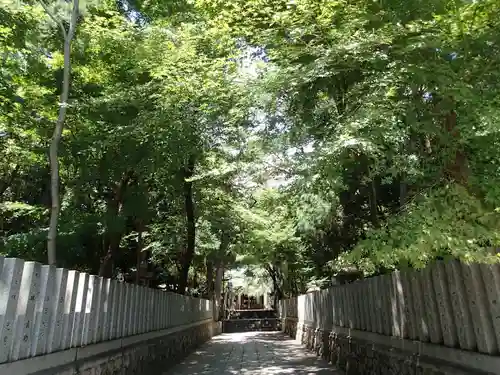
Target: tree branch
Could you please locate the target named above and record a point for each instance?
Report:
(74, 19)
(58, 22)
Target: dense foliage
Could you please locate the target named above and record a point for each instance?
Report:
(309, 137)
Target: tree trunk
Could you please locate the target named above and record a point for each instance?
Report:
(56, 137)
(458, 168)
(408, 148)
(188, 253)
(277, 288)
(373, 203)
(210, 279)
(403, 191)
(219, 274)
(140, 257)
(107, 264)
(211, 286)
(113, 235)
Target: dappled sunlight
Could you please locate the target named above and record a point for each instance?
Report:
(265, 353)
(239, 337)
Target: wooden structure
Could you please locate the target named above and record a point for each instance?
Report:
(250, 302)
(248, 313)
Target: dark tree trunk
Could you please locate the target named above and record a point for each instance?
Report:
(110, 240)
(457, 168)
(403, 191)
(113, 234)
(373, 203)
(210, 279)
(277, 288)
(140, 255)
(219, 275)
(188, 253)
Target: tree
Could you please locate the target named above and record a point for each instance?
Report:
(56, 136)
(391, 106)
(307, 141)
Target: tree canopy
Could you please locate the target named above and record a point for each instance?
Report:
(311, 138)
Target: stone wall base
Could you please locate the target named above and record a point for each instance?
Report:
(358, 356)
(146, 354)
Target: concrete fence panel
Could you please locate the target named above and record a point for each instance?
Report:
(342, 303)
(410, 327)
(354, 314)
(444, 306)
(460, 306)
(364, 305)
(334, 297)
(386, 309)
(491, 279)
(371, 306)
(10, 287)
(376, 292)
(481, 319)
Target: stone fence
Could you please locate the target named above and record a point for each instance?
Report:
(59, 321)
(444, 319)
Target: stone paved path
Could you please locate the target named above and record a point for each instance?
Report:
(259, 353)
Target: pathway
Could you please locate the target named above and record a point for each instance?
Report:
(259, 353)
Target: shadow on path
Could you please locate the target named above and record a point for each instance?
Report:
(260, 353)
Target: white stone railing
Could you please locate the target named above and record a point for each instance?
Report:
(44, 309)
(448, 303)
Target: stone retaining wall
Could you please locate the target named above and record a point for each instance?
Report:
(146, 354)
(362, 353)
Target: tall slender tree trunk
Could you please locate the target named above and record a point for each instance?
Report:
(219, 274)
(140, 255)
(274, 273)
(372, 195)
(113, 234)
(373, 203)
(403, 190)
(188, 253)
(107, 264)
(210, 279)
(56, 136)
(457, 168)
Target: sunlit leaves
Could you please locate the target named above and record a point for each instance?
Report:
(445, 222)
(367, 82)
(339, 104)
